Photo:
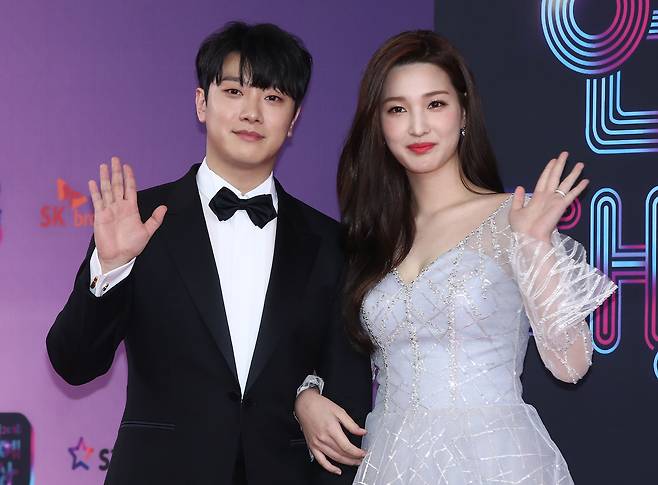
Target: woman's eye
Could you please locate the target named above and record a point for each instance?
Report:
(436, 104)
(396, 109)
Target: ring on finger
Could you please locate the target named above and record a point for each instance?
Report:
(562, 194)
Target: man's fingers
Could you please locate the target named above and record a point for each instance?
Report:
(106, 188)
(96, 198)
(155, 220)
(117, 179)
(324, 463)
(130, 184)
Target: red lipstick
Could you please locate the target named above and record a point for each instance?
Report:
(420, 148)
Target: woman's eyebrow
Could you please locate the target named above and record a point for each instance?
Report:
(426, 95)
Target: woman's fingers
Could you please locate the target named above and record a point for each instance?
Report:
(569, 180)
(347, 449)
(349, 424)
(556, 172)
(543, 178)
(335, 444)
(331, 449)
(576, 191)
(324, 463)
(322, 423)
(519, 198)
(346, 421)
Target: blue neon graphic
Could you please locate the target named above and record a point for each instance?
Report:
(598, 118)
(587, 53)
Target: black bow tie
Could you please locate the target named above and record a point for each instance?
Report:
(260, 208)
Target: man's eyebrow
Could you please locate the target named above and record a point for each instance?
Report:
(237, 80)
(230, 78)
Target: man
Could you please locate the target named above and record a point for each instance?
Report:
(226, 296)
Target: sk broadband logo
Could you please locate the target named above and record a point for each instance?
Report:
(71, 211)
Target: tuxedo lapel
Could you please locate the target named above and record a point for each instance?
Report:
(186, 236)
(295, 250)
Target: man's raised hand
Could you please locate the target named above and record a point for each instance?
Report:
(119, 232)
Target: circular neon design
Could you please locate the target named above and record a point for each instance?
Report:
(594, 54)
(571, 217)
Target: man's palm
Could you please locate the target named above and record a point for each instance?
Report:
(119, 232)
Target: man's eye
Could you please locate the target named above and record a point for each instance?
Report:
(436, 104)
(273, 97)
(396, 109)
(233, 91)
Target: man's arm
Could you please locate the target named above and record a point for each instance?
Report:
(86, 333)
(345, 403)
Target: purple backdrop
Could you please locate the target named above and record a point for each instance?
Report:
(81, 81)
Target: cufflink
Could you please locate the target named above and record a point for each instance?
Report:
(93, 283)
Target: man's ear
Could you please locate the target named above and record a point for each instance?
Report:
(292, 123)
(200, 102)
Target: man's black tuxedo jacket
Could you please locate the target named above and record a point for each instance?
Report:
(184, 419)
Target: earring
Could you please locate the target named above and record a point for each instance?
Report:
(462, 131)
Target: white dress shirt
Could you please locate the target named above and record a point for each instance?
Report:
(243, 256)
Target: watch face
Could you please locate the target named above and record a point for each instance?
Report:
(15, 449)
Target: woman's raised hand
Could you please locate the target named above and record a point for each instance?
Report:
(552, 196)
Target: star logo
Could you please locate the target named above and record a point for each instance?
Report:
(80, 453)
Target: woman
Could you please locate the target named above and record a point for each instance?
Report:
(444, 273)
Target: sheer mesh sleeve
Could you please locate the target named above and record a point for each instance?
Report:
(559, 291)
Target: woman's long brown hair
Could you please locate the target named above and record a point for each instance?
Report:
(374, 194)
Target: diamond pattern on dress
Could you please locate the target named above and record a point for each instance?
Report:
(449, 352)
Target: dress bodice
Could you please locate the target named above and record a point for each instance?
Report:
(457, 334)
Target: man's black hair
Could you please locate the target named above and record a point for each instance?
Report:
(269, 58)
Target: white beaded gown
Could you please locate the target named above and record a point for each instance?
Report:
(449, 352)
